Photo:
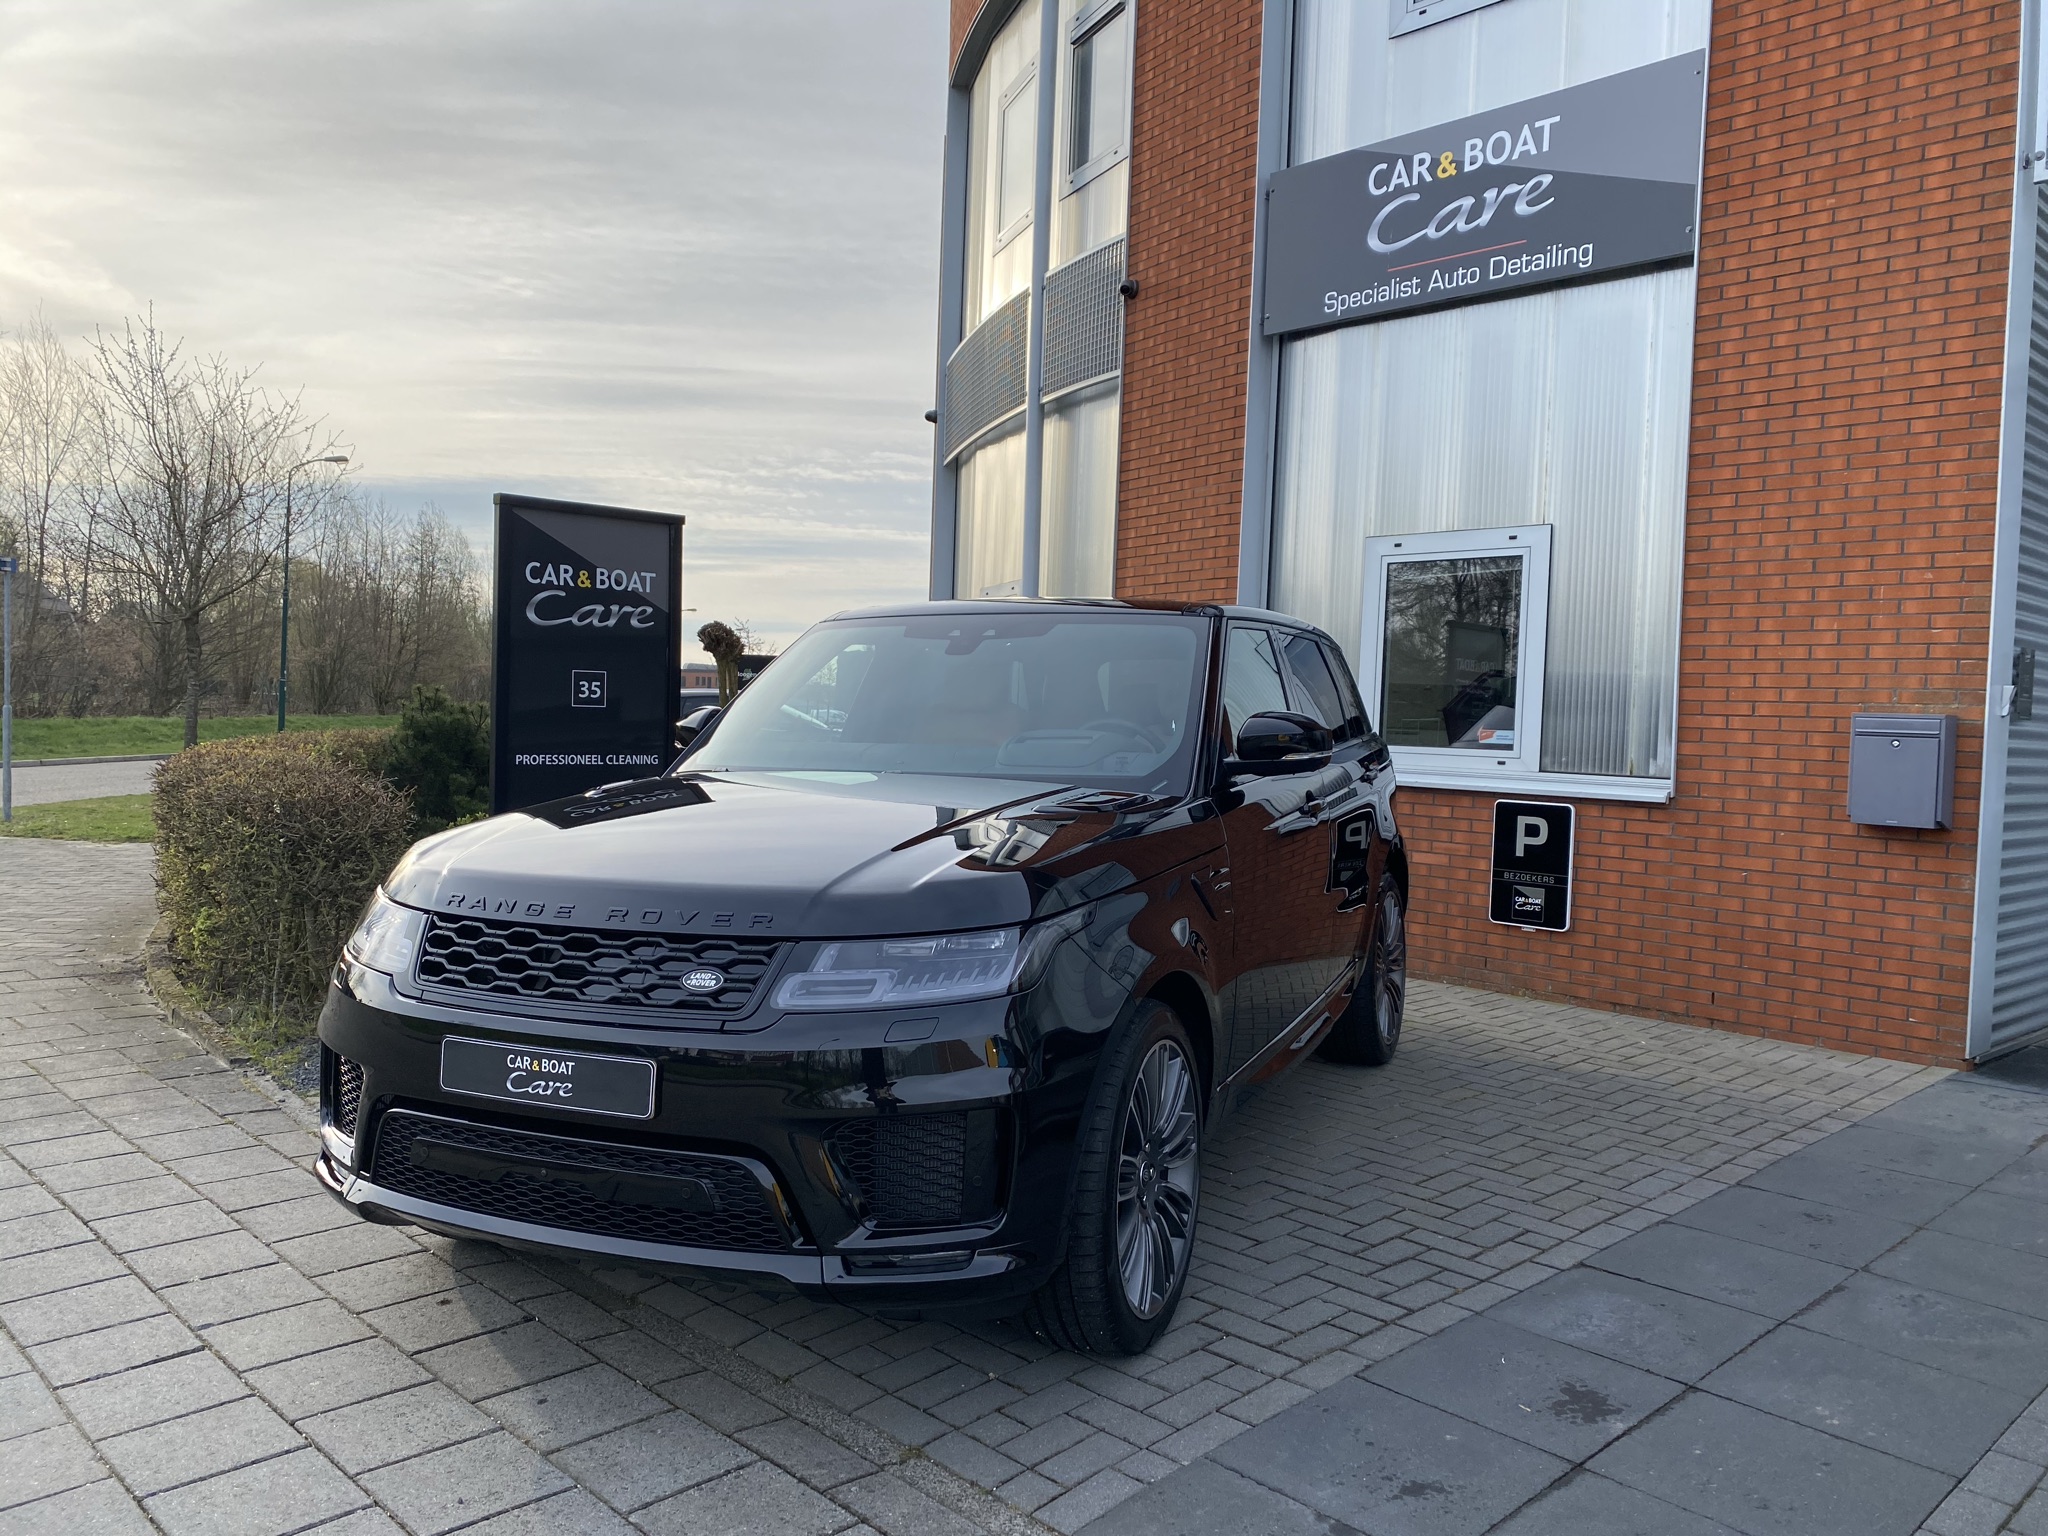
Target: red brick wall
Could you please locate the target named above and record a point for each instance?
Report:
(1194, 190)
(964, 12)
(1852, 273)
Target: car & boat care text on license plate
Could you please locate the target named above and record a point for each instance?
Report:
(518, 1074)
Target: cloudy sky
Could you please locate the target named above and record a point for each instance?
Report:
(678, 254)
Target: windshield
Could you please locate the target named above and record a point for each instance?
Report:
(1102, 700)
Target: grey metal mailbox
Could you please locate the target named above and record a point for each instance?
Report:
(1902, 770)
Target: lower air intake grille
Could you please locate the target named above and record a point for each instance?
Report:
(638, 1193)
(348, 1094)
(911, 1170)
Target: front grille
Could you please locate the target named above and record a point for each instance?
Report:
(911, 1170)
(577, 967)
(574, 1185)
(348, 1094)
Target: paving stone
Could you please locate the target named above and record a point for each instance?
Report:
(59, 1269)
(1768, 1477)
(1767, 1281)
(803, 1452)
(719, 1403)
(1663, 1331)
(96, 1509)
(757, 1500)
(334, 1378)
(286, 1493)
(286, 1334)
(463, 1483)
(199, 1258)
(248, 1293)
(47, 1461)
(893, 1506)
(82, 1309)
(1077, 1507)
(1824, 1232)
(644, 1462)
(497, 1362)
(574, 1513)
(1985, 1272)
(108, 1350)
(394, 1427)
(163, 1224)
(1821, 1175)
(1586, 1504)
(1206, 1499)
(390, 1281)
(198, 1445)
(566, 1409)
(1350, 1451)
(350, 1247)
(431, 1321)
(41, 1231)
(1913, 1411)
(149, 1394)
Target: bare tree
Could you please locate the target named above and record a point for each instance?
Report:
(44, 430)
(192, 462)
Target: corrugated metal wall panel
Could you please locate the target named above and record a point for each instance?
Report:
(2019, 988)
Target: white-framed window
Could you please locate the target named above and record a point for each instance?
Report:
(1098, 126)
(1412, 15)
(1016, 156)
(1452, 652)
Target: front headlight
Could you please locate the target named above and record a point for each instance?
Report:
(941, 968)
(388, 937)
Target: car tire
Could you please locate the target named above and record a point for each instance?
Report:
(1137, 1195)
(1368, 1032)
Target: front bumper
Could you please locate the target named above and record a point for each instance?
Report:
(819, 1112)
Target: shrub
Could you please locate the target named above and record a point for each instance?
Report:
(441, 752)
(267, 847)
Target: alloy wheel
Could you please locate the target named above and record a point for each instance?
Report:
(1158, 1179)
(1391, 971)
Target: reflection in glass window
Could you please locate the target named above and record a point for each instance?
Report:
(1101, 700)
(1451, 652)
(1314, 690)
(1251, 678)
(1017, 158)
(1101, 65)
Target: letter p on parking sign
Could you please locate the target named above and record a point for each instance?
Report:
(1531, 885)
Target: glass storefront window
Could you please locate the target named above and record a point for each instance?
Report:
(1450, 639)
(1453, 640)
(1101, 71)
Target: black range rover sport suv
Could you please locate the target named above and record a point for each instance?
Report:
(918, 982)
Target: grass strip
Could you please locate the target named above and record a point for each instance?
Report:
(110, 819)
(141, 735)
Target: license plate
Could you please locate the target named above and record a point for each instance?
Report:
(515, 1074)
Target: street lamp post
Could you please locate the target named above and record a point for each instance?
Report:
(8, 566)
(284, 618)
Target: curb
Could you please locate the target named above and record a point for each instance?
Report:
(183, 1013)
(76, 762)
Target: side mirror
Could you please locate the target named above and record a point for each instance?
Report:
(694, 725)
(1280, 743)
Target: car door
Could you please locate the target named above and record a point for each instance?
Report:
(1288, 929)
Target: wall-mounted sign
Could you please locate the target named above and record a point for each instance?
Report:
(587, 658)
(1595, 180)
(1532, 865)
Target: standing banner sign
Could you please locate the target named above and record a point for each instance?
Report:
(1532, 864)
(586, 659)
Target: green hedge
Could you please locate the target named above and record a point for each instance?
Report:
(267, 848)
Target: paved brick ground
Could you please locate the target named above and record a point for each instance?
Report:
(196, 1336)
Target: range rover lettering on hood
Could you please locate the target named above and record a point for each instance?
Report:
(570, 911)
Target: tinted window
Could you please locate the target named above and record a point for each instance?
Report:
(1315, 691)
(1347, 685)
(1251, 678)
(1099, 700)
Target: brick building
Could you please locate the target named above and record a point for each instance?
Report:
(1639, 390)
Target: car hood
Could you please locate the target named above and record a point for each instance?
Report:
(785, 855)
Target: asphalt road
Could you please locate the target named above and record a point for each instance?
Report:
(80, 781)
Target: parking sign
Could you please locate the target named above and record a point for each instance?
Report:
(1532, 865)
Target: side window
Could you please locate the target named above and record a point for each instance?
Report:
(1356, 720)
(1251, 678)
(1315, 691)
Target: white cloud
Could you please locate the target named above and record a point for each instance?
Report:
(668, 253)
